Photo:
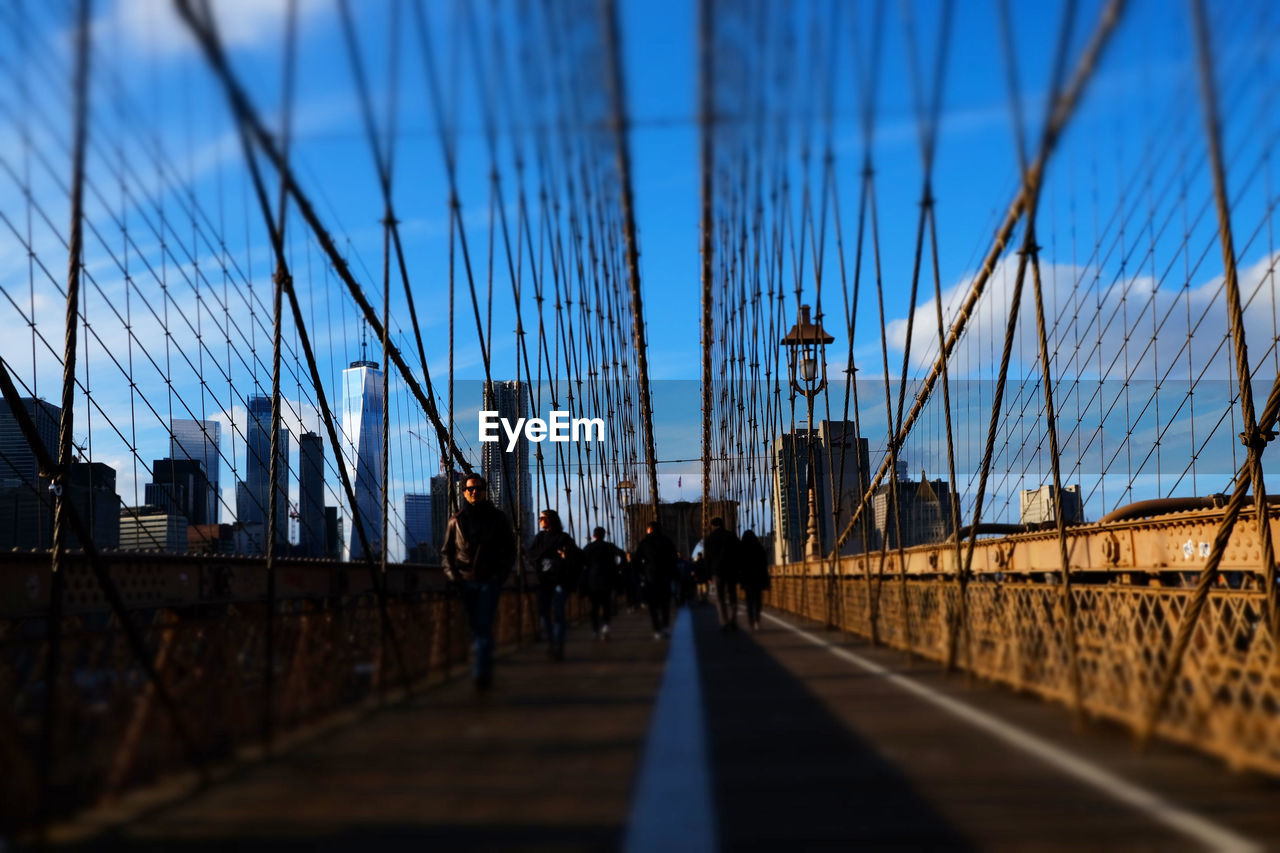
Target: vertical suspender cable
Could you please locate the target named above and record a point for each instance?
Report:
(61, 476)
(705, 121)
(609, 12)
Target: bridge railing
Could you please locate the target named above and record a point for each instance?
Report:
(204, 623)
(1008, 625)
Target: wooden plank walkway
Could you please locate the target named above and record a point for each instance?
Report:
(805, 749)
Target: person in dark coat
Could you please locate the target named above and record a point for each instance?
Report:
(656, 558)
(601, 562)
(478, 552)
(557, 560)
(722, 559)
(753, 574)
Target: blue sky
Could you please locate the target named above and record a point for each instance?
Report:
(1135, 145)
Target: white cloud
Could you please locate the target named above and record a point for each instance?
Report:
(154, 27)
(1102, 326)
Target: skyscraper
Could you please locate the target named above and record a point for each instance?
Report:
(200, 440)
(310, 495)
(26, 510)
(362, 394)
(17, 458)
(417, 528)
(179, 486)
(840, 461)
(510, 482)
(253, 494)
(93, 493)
(441, 508)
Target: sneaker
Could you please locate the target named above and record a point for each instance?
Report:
(657, 635)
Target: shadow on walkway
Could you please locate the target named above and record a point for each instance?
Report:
(788, 774)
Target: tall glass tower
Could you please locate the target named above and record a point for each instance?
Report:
(310, 495)
(510, 482)
(199, 440)
(362, 392)
(253, 495)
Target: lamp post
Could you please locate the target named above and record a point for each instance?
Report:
(807, 370)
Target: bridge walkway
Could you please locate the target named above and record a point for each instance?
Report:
(789, 738)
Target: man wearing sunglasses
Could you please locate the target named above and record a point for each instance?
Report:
(478, 554)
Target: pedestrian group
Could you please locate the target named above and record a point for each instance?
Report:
(480, 551)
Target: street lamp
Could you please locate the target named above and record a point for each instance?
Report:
(807, 369)
(625, 488)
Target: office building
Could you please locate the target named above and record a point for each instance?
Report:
(419, 547)
(362, 394)
(27, 505)
(149, 528)
(441, 508)
(333, 536)
(1037, 506)
(922, 512)
(26, 511)
(253, 494)
(839, 470)
(93, 494)
(507, 471)
(201, 440)
(180, 486)
(311, 540)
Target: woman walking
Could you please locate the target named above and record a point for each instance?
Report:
(755, 575)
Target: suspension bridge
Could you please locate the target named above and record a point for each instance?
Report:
(968, 311)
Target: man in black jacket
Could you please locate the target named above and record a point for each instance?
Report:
(557, 560)
(656, 557)
(478, 553)
(602, 561)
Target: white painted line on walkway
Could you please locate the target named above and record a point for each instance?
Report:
(672, 809)
(1212, 835)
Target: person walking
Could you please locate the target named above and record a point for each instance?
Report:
(722, 560)
(478, 553)
(601, 561)
(556, 559)
(656, 557)
(753, 574)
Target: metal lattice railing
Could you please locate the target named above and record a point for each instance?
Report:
(1226, 697)
(208, 650)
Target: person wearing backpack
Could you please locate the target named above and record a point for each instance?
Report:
(557, 560)
(601, 561)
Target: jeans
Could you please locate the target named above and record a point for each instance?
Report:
(480, 600)
(551, 612)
